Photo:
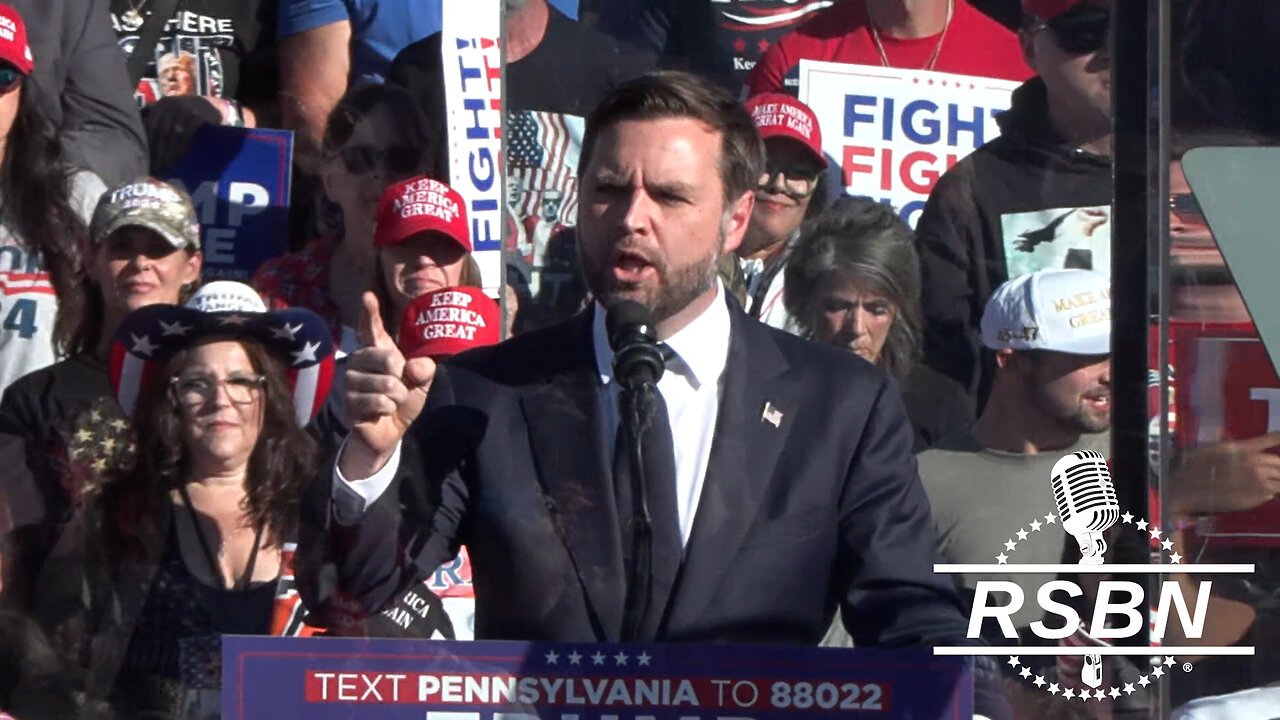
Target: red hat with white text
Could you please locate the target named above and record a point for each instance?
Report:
(418, 205)
(14, 48)
(446, 322)
(779, 115)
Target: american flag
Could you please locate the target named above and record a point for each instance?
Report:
(151, 335)
(543, 153)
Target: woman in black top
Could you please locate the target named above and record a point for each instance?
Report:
(191, 541)
(853, 281)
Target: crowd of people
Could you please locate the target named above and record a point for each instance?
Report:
(846, 394)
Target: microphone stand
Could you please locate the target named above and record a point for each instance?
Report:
(635, 405)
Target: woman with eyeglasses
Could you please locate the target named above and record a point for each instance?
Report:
(47, 204)
(187, 543)
(789, 191)
(853, 281)
(375, 137)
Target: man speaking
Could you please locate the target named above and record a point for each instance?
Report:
(778, 482)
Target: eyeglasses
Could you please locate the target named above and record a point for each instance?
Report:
(797, 183)
(10, 78)
(399, 159)
(1184, 205)
(195, 390)
(1081, 30)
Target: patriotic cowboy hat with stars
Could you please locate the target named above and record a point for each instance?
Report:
(151, 335)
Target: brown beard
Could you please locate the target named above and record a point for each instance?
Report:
(675, 291)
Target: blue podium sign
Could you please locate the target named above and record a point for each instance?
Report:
(239, 179)
(271, 678)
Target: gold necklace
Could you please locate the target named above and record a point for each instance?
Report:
(933, 59)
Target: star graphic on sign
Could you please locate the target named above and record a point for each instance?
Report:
(1127, 518)
(1010, 545)
(598, 658)
(83, 435)
(1026, 672)
(100, 464)
(1128, 688)
(763, 45)
(1143, 681)
(1014, 661)
(142, 345)
(1175, 558)
(1115, 692)
(620, 658)
(1053, 688)
(1002, 558)
(306, 354)
(740, 45)
(1099, 694)
(1039, 681)
(1050, 519)
(1155, 533)
(1035, 526)
(1167, 544)
(1022, 534)
(284, 332)
(233, 320)
(1168, 661)
(575, 658)
(1158, 671)
(119, 424)
(109, 444)
(552, 657)
(174, 328)
(1068, 693)
(644, 659)
(1142, 524)
(94, 415)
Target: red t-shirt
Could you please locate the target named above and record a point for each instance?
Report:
(974, 45)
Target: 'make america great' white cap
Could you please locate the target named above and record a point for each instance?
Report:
(1067, 311)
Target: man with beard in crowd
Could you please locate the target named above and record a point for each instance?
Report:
(514, 443)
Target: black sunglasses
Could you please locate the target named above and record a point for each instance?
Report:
(399, 159)
(10, 78)
(1184, 205)
(1081, 30)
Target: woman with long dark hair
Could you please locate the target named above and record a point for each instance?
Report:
(375, 137)
(144, 249)
(853, 281)
(187, 542)
(45, 206)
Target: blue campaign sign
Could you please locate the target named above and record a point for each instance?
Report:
(317, 678)
(239, 179)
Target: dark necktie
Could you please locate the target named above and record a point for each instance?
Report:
(651, 546)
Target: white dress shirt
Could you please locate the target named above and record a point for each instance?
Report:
(691, 386)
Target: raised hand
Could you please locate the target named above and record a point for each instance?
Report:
(385, 393)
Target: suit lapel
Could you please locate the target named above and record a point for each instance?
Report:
(565, 418)
(744, 455)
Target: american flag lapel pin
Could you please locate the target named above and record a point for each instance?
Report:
(772, 415)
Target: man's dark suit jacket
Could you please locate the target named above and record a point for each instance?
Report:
(823, 511)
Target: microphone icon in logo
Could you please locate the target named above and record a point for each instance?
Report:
(1086, 501)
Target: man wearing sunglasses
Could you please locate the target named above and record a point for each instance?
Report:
(794, 163)
(1038, 197)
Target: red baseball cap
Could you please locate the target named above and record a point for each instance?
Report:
(446, 322)
(14, 48)
(417, 205)
(779, 115)
(1048, 9)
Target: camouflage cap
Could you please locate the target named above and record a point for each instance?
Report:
(151, 204)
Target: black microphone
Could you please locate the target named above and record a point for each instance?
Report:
(636, 358)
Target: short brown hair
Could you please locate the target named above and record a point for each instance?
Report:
(672, 94)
